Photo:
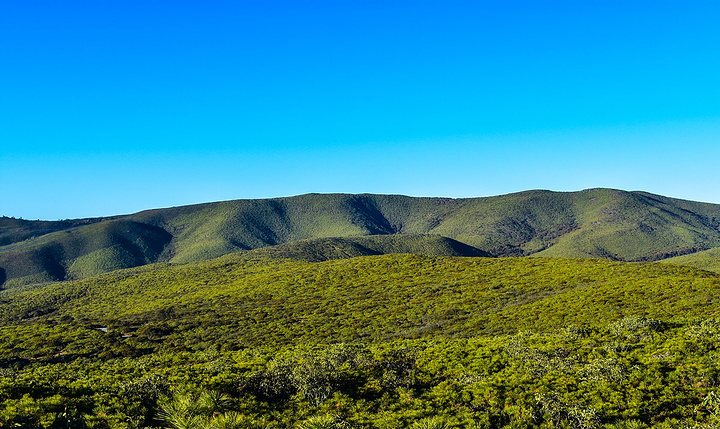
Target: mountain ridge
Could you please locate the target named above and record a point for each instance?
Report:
(593, 223)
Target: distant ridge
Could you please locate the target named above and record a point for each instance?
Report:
(595, 223)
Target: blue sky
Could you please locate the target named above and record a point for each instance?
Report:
(110, 107)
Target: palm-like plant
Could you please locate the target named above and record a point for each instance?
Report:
(180, 412)
(188, 411)
(430, 423)
(324, 422)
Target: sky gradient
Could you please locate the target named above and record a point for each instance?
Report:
(111, 107)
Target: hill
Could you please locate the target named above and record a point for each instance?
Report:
(596, 223)
(325, 249)
(705, 260)
(82, 251)
(13, 230)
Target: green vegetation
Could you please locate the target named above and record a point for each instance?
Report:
(597, 223)
(366, 311)
(255, 340)
(13, 230)
(324, 249)
(705, 260)
(81, 252)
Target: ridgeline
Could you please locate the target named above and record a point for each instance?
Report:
(595, 223)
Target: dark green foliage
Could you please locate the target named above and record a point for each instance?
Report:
(141, 396)
(325, 249)
(602, 223)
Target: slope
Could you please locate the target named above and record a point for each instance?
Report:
(82, 252)
(705, 260)
(325, 249)
(13, 230)
(594, 223)
(637, 226)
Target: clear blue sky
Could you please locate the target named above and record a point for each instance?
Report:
(110, 107)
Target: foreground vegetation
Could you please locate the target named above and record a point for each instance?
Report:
(248, 341)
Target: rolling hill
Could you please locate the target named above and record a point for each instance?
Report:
(705, 260)
(326, 249)
(595, 223)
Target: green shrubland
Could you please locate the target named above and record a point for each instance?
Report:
(256, 341)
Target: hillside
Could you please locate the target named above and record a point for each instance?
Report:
(325, 249)
(13, 230)
(705, 260)
(250, 340)
(596, 223)
(82, 251)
